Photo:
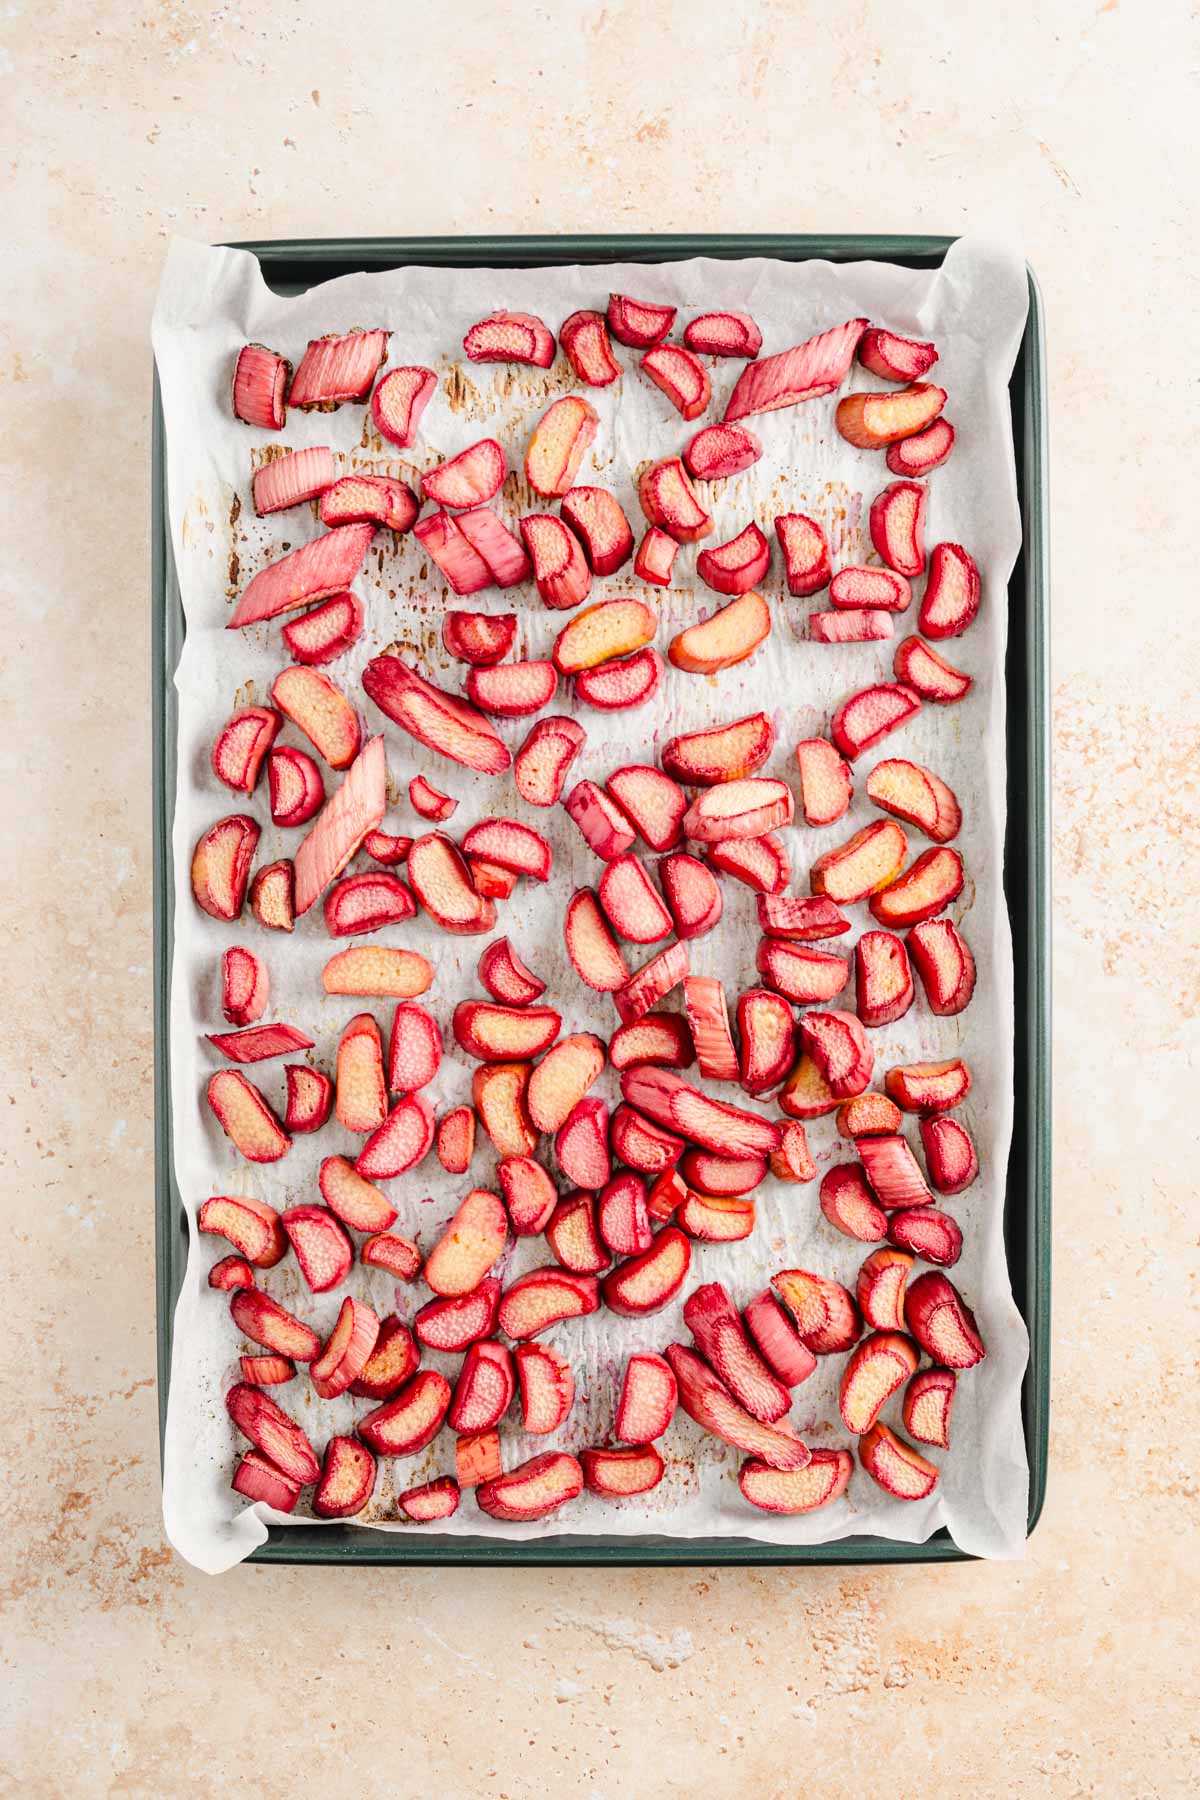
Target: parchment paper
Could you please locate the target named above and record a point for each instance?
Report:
(211, 302)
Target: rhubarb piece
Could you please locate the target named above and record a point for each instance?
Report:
(547, 1388)
(822, 1481)
(803, 373)
(895, 358)
(716, 1218)
(708, 1019)
(924, 452)
(273, 1433)
(506, 561)
(560, 568)
(798, 919)
(251, 1226)
(533, 1490)
(639, 323)
(631, 902)
(530, 1194)
(893, 1172)
(603, 823)
(581, 1144)
(543, 1298)
(793, 1161)
(394, 1360)
(805, 553)
(453, 553)
(336, 368)
(484, 1390)
(468, 479)
(735, 567)
(271, 899)
(469, 1245)
(949, 1155)
(241, 744)
(453, 1324)
(590, 944)
(647, 1283)
(438, 1499)
(221, 865)
(346, 1350)
(880, 1365)
(442, 883)
(479, 638)
(259, 1043)
(662, 1039)
(233, 1272)
(318, 707)
(872, 421)
(824, 1312)
(440, 721)
(562, 1078)
(585, 344)
(724, 334)
(510, 337)
(297, 786)
(260, 382)
(601, 633)
(245, 1118)
(706, 1399)
(667, 1194)
(415, 1049)
(291, 479)
(556, 448)
(621, 1216)
(513, 690)
(725, 638)
(656, 557)
(801, 975)
(616, 1474)
(779, 1343)
(849, 1205)
(265, 1322)
(511, 845)
(712, 1124)
(895, 1466)
(868, 861)
(929, 1087)
(739, 809)
(692, 894)
(596, 518)
(920, 668)
(825, 781)
(806, 1093)
(669, 501)
(373, 969)
(926, 887)
(402, 1141)
(680, 376)
(861, 586)
(495, 1033)
(498, 1090)
(882, 977)
(378, 499)
(574, 1237)
(861, 721)
(425, 799)
(855, 625)
(245, 986)
(649, 1396)
(951, 598)
(720, 1336)
(541, 764)
(456, 1139)
(721, 450)
(761, 863)
(927, 1405)
(767, 1035)
(361, 903)
(651, 983)
(411, 1419)
(398, 1255)
(257, 1478)
(348, 1478)
(652, 801)
(315, 571)
(398, 402)
(897, 525)
(323, 1250)
(506, 977)
(926, 1232)
(643, 1145)
(909, 791)
(868, 1115)
(477, 1458)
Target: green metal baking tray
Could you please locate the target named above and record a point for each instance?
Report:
(290, 266)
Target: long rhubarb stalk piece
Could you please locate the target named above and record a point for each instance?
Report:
(436, 719)
(313, 572)
(803, 373)
(346, 818)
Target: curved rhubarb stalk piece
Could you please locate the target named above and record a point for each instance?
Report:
(394, 1360)
(619, 685)
(643, 1145)
(265, 1322)
(484, 1390)
(399, 400)
(469, 1245)
(893, 1172)
(724, 334)
(911, 792)
(562, 1078)
(387, 1250)
(805, 553)
(273, 1433)
(259, 1042)
(434, 1500)
(409, 1421)
(869, 1115)
(739, 809)
(425, 799)
(511, 845)
(706, 1399)
(366, 902)
(649, 1396)
(883, 978)
(375, 499)
(541, 764)
(337, 368)
(662, 1039)
(245, 1118)
(949, 1154)
(221, 865)
(716, 1218)
(822, 1481)
(897, 525)
(533, 1490)
(245, 986)
(251, 1226)
(498, 1090)
(849, 1205)
(793, 1161)
(581, 1144)
(864, 864)
(761, 862)
(929, 1087)
(297, 786)
(721, 1339)
(560, 568)
(510, 337)
(651, 983)
(656, 557)
(880, 1365)
(327, 632)
(543, 1298)
(927, 1405)
(621, 1216)
(317, 706)
(574, 1237)
(680, 376)
(314, 572)
(803, 976)
(442, 883)
(591, 947)
(602, 632)
(451, 1325)
(233, 1272)
(257, 1478)
(798, 919)
(653, 802)
(895, 358)
(825, 781)
(926, 887)
(779, 1343)
(631, 902)
(323, 1250)
(529, 1193)
(862, 586)
(373, 969)
(638, 323)
(803, 373)
(854, 625)
(692, 894)
(441, 721)
(506, 977)
(495, 545)
(736, 566)
(513, 690)
(479, 638)
(556, 448)
(415, 1049)
(669, 501)
(805, 1094)
(861, 721)
(824, 1311)
(597, 519)
(348, 1478)
(767, 1035)
(468, 479)
(603, 823)
(708, 1019)
(895, 1466)
(291, 479)
(712, 1124)
(721, 450)
(346, 1350)
(547, 1388)
(920, 668)
(456, 1139)
(585, 344)
(495, 1033)
(241, 744)
(647, 1283)
(725, 638)
(260, 382)
(616, 1474)
(926, 1232)
(872, 421)
(402, 1141)
(924, 452)
(951, 598)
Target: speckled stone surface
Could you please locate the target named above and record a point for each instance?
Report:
(1074, 1673)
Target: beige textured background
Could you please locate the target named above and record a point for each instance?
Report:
(124, 1673)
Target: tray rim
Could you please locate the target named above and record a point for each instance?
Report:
(1026, 869)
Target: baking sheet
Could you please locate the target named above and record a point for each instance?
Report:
(211, 302)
